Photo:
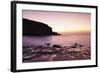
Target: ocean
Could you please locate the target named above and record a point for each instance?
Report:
(63, 39)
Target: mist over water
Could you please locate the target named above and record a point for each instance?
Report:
(63, 39)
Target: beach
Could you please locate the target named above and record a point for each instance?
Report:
(54, 52)
(56, 48)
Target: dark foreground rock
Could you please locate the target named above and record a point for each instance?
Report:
(35, 28)
(55, 52)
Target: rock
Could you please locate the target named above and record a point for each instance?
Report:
(72, 57)
(52, 56)
(57, 46)
(35, 28)
(48, 45)
(57, 49)
(28, 57)
(76, 45)
(55, 52)
(74, 50)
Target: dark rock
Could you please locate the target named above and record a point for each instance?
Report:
(48, 44)
(35, 28)
(57, 46)
(74, 46)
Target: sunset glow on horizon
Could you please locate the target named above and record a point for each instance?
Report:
(61, 21)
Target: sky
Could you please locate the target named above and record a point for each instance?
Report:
(61, 21)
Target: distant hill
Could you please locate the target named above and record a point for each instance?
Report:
(35, 28)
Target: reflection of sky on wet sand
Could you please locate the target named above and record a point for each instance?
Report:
(61, 21)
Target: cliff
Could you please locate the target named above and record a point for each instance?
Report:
(35, 28)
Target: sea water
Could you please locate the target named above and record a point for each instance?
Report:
(63, 39)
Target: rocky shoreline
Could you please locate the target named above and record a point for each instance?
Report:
(55, 52)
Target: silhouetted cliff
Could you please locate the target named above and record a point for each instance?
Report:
(35, 28)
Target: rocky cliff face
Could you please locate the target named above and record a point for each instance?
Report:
(35, 28)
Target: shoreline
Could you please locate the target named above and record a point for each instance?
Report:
(54, 52)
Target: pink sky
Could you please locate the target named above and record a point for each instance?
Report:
(61, 21)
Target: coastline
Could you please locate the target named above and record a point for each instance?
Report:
(55, 52)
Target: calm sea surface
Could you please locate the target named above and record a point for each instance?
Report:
(64, 39)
